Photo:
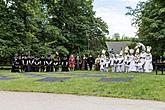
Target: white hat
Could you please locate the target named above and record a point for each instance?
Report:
(103, 51)
(131, 51)
(121, 52)
(126, 49)
(137, 51)
(117, 55)
(149, 49)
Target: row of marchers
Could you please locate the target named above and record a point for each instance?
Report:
(129, 60)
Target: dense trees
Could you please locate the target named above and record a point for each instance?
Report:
(43, 26)
(149, 17)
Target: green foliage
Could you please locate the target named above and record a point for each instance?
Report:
(149, 17)
(45, 26)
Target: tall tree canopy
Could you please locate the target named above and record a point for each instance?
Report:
(42, 26)
(149, 17)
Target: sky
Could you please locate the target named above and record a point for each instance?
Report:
(113, 13)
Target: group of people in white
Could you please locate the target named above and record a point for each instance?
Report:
(138, 59)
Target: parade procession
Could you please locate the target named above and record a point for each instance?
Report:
(138, 59)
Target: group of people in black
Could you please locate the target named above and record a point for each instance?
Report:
(29, 63)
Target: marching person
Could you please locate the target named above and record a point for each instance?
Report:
(112, 62)
(37, 64)
(116, 63)
(42, 59)
(107, 62)
(102, 63)
(138, 64)
(65, 63)
(56, 62)
(15, 65)
(148, 67)
(127, 63)
(132, 67)
(48, 63)
(121, 62)
(30, 63)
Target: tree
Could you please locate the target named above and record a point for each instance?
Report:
(149, 17)
(116, 36)
(46, 26)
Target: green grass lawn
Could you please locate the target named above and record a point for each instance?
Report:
(143, 85)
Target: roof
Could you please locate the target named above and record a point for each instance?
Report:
(116, 46)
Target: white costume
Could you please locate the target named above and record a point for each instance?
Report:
(127, 63)
(148, 67)
(102, 61)
(121, 62)
(132, 67)
(117, 65)
(107, 62)
(112, 62)
(138, 64)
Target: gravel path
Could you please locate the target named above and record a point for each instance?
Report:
(44, 101)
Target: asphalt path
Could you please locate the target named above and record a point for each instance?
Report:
(48, 101)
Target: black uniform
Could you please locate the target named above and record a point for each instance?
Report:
(49, 64)
(15, 65)
(65, 63)
(56, 63)
(30, 63)
(42, 59)
(37, 63)
(25, 63)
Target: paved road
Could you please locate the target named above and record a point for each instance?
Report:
(44, 101)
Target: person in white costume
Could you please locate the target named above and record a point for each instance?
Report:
(132, 67)
(102, 61)
(142, 55)
(112, 62)
(127, 63)
(121, 62)
(126, 52)
(142, 60)
(107, 62)
(126, 59)
(148, 67)
(116, 63)
(138, 63)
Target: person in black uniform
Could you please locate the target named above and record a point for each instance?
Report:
(65, 63)
(56, 62)
(15, 65)
(37, 63)
(25, 63)
(42, 59)
(48, 63)
(91, 61)
(30, 63)
(21, 63)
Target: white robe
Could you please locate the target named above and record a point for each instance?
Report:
(121, 64)
(132, 66)
(148, 67)
(102, 64)
(112, 64)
